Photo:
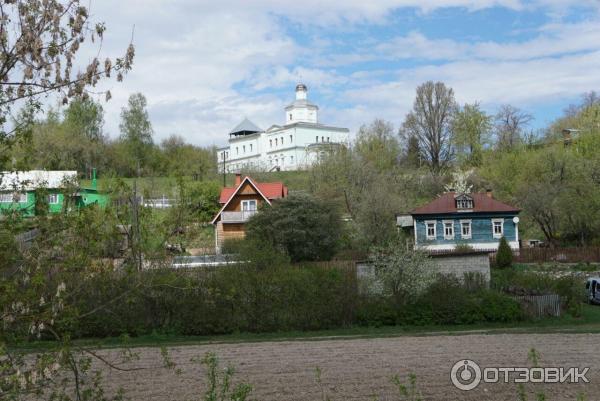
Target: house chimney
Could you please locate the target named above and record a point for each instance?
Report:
(488, 192)
(238, 179)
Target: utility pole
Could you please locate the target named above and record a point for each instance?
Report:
(224, 173)
(136, 248)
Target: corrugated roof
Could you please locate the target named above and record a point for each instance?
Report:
(30, 180)
(246, 125)
(272, 190)
(482, 203)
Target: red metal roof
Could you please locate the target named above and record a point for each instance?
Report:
(271, 190)
(482, 203)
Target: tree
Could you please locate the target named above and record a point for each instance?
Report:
(430, 121)
(470, 133)
(302, 226)
(412, 155)
(504, 255)
(404, 273)
(377, 144)
(136, 132)
(180, 158)
(40, 41)
(510, 124)
(86, 118)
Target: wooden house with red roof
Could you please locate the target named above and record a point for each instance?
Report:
(474, 219)
(239, 203)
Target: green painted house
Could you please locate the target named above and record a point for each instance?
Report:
(18, 191)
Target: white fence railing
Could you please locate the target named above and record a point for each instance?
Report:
(159, 203)
(540, 305)
(237, 217)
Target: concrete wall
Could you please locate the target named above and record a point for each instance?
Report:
(457, 265)
(461, 264)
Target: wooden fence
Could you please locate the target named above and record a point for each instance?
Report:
(559, 255)
(540, 305)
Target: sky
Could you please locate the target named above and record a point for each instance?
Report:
(205, 65)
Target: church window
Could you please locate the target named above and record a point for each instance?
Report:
(270, 143)
(275, 141)
(237, 150)
(290, 116)
(250, 147)
(317, 138)
(244, 148)
(281, 140)
(290, 139)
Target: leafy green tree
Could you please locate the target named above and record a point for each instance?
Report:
(504, 256)
(302, 226)
(86, 118)
(136, 133)
(470, 133)
(377, 144)
(182, 158)
(412, 156)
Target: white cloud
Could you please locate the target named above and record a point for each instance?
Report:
(205, 65)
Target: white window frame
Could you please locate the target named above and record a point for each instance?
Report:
(247, 203)
(464, 204)
(451, 223)
(462, 234)
(53, 199)
(494, 221)
(427, 223)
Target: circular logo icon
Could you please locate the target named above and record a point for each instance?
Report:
(465, 374)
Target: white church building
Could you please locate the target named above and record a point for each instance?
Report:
(293, 146)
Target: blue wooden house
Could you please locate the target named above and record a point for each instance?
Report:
(474, 219)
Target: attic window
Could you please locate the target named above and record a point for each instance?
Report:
(464, 202)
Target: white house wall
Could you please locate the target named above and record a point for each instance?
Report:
(266, 151)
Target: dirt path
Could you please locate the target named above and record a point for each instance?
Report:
(360, 369)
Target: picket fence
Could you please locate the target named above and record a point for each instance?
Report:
(540, 306)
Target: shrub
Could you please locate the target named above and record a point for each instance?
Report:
(448, 301)
(302, 226)
(504, 256)
(463, 248)
(219, 301)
